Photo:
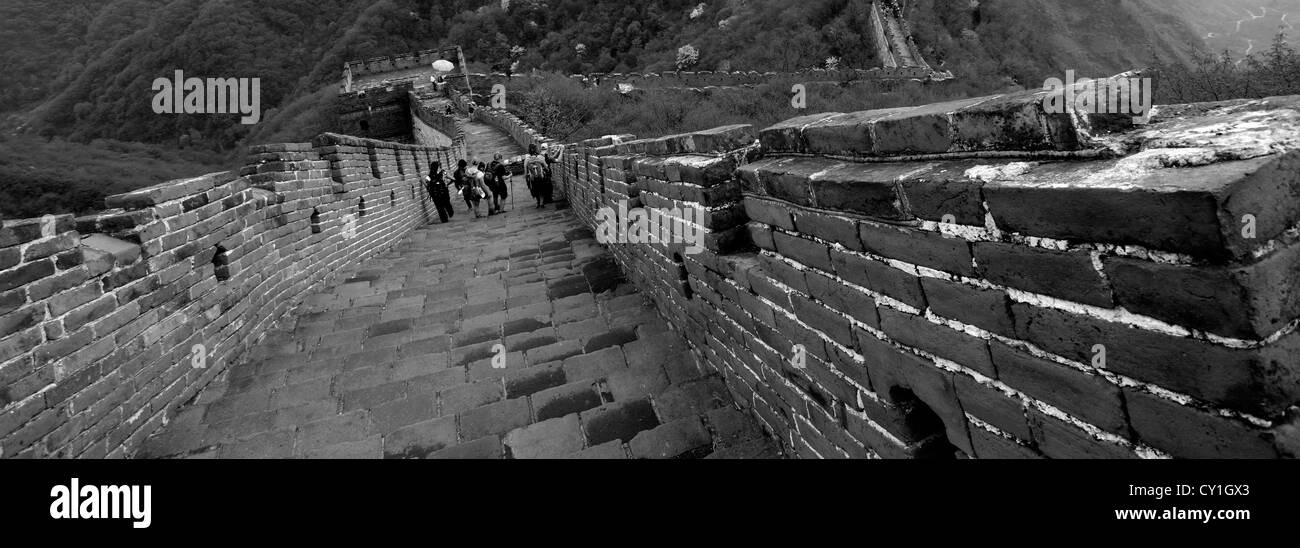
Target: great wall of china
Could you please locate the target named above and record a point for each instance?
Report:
(901, 59)
(981, 278)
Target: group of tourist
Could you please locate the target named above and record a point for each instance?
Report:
(476, 182)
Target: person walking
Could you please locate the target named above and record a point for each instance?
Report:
(497, 174)
(436, 184)
(483, 180)
(552, 157)
(474, 190)
(536, 174)
(463, 177)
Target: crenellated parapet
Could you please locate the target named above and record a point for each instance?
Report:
(984, 278)
(110, 322)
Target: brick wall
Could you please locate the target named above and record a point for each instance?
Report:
(985, 279)
(378, 113)
(101, 317)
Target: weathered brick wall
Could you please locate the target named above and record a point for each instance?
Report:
(377, 113)
(985, 279)
(482, 83)
(100, 317)
(380, 65)
(426, 107)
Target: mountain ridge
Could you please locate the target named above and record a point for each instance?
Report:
(100, 70)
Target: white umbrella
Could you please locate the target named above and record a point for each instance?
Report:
(443, 65)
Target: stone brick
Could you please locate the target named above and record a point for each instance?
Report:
(571, 398)
(831, 228)
(1067, 275)
(595, 365)
(496, 419)
(1185, 432)
(527, 381)
(861, 189)
(20, 231)
(942, 341)
(788, 136)
(13, 322)
(1165, 208)
(1250, 302)
(778, 270)
(1240, 378)
(10, 257)
(639, 382)
(680, 438)
(784, 179)
(1060, 440)
(879, 277)
(25, 274)
(761, 235)
(988, 309)
(397, 414)
(769, 212)
(992, 406)
(943, 192)
(924, 129)
(919, 247)
(1088, 397)
(488, 448)
(824, 320)
(807, 252)
(468, 396)
(608, 450)
(549, 439)
(988, 445)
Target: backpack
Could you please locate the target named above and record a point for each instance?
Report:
(536, 171)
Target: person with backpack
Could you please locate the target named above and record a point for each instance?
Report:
(436, 184)
(475, 189)
(464, 180)
(537, 175)
(552, 157)
(497, 177)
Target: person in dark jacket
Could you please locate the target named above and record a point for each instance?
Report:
(461, 178)
(436, 184)
(498, 174)
(537, 175)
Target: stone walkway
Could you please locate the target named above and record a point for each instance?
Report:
(482, 141)
(512, 336)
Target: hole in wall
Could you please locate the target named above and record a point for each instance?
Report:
(392, 198)
(365, 126)
(315, 221)
(221, 264)
(683, 276)
(374, 163)
(925, 425)
(361, 207)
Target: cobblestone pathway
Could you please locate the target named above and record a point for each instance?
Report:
(398, 361)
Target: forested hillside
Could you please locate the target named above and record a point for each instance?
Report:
(85, 66)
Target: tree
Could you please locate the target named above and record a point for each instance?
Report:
(687, 57)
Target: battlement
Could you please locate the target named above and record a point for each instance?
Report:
(111, 322)
(401, 61)
(983, 278)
